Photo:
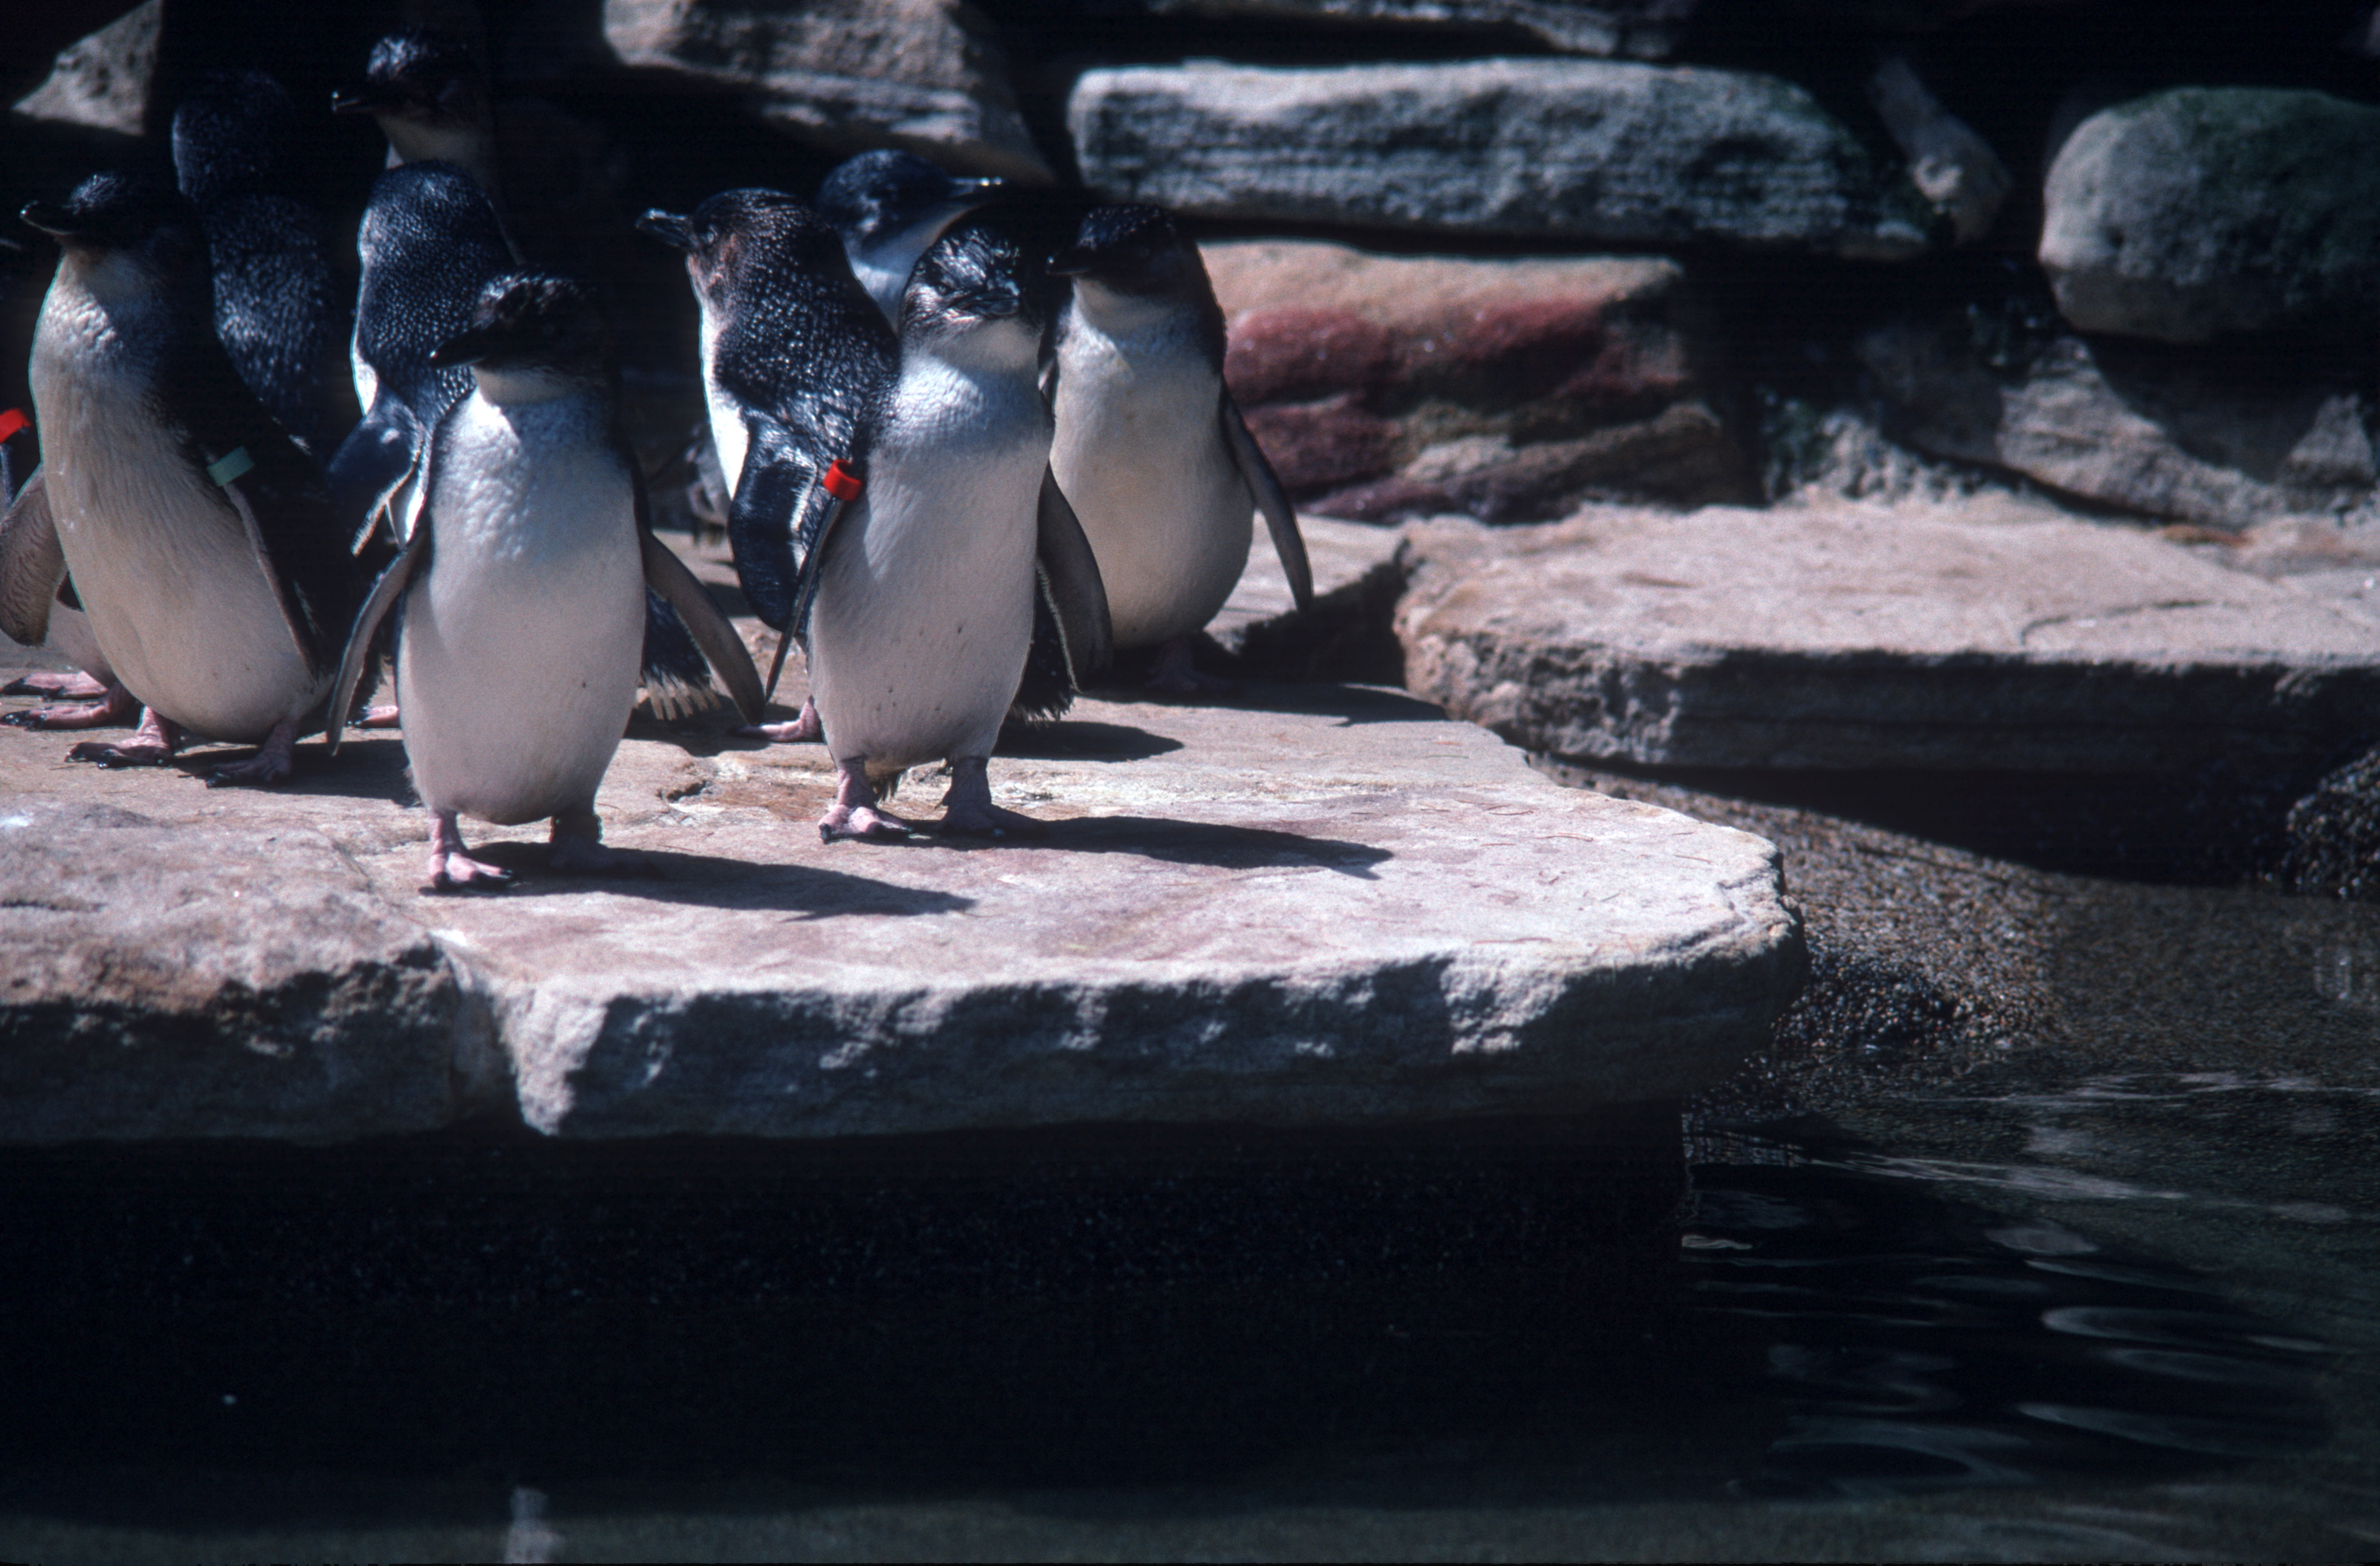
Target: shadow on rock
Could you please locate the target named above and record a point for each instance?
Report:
(1207, 843)
(714, 882)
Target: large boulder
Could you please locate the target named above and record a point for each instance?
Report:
(1592, 150)
(2206, 210)
(1979, 637)
(1392, 387)
(2147, 430)
(1641, 30)
(924, 75)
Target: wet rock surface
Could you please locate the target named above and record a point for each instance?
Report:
(1584, 151)
(1384, 387)
(1272, 914)
(1862, 636)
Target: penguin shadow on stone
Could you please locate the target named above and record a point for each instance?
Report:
(1216, 845)
(666, 876)
(1082, 740)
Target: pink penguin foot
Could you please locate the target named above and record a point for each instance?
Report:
(1175, 675)
(967, 810)
(153, 744)
(114, 705)
(75, 686)
(854, 813)
(451, 868)
(272, 761)
(805, 728)
(377, 717)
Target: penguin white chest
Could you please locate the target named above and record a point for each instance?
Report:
(727, 431)
(1140, 453)
(517, 665)
(925, 600)
(178, 598)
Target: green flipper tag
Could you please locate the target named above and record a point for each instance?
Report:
(231, 467)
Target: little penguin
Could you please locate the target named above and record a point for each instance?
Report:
(927, 580)
(431, 100)
(793, 355)
(277, 309)
(429, 244)
(889, 207)
(29, 616)
(521, 593)
(1151, 447)
(196, 532)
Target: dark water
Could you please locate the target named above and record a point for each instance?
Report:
(1799, 1343)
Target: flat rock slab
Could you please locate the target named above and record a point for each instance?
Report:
(1864, 637)
(1327, 906)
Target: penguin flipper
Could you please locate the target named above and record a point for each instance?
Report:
(666, 576)
(1078, 595)
(32, 563)
(1280, 517)
(371, 465)
(773, 560)
(363, 642)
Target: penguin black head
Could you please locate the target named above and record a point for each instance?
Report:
(878, 195)
(739, 236)
(123, 215)
(1131, 248)
(422, 76)
(528, 323)
(234, 135)
(975, 274)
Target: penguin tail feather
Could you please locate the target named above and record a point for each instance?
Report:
(671, 698)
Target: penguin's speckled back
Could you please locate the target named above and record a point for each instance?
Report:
(430, 243)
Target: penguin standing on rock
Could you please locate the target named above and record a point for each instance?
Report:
(522, 585)
(277, 308)
(1150, 446)
(196, 532)
(926, 581)
(890, 207)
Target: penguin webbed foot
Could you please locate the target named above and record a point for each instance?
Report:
(451, 868)
(805, 728)
(855, 814)
(967, 810)
(114, 705)
(578, 850)
(73, 687)
(272, 763)
(379, 717)
(153, 744)
(1175, 675)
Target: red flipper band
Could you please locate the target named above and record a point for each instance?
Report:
(840, 482)
(11, 421)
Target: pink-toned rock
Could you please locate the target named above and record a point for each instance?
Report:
(1392, 387)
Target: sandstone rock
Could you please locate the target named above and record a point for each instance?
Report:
(178, 977)
(2140, 428)
(1589, 151)
(102, 81)
(1349, 632)
(1642, 30)
(1330, 906)
(1864, 637)
(924, 75)
(2201, 211)
(1387, 387)
(1952, 167)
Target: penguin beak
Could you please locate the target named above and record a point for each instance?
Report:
(466, 347)
(1071, 262)
(51, 219)
(356, 101)
(668, 228)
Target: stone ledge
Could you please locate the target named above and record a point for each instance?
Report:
(1327, 907)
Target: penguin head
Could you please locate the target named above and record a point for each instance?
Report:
(419, 78)
(532, 335)
(232, 134)
(1135, 250)
(973, 281)
(129, 227)
(877, 197)
(738, 238)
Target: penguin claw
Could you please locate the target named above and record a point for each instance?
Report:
(132, 752)
(273, 761)
(460, 871)
(805, 728)
(110, 709)
(378, 718)
(863, 824)
(988, 821)
(584, 856)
